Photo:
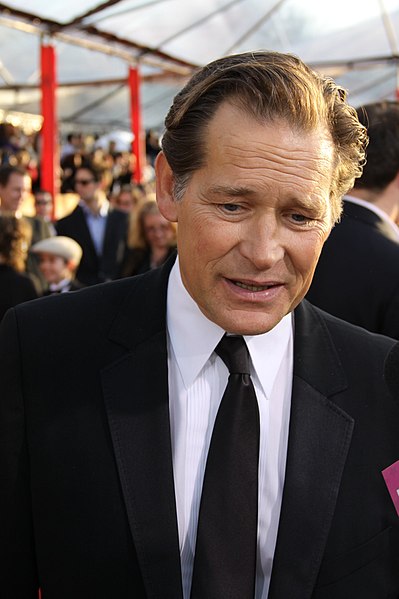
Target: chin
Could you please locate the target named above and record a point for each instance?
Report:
(249, 325)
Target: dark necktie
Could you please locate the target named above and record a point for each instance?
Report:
(225, 554)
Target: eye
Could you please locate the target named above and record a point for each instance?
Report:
(230, 207)
(301, 219)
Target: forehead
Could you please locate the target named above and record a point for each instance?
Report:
(43, 197)
(14, 180)
(270, 152)
(125, 196)
(153, 217)
(84, 172)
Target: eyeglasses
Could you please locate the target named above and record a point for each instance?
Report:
(42, 202)
(83, 181)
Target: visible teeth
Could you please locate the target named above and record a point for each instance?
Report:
(252, 287)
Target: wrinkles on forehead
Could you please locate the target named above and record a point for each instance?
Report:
(277, 160)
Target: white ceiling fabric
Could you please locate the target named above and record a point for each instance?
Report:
(356, 41)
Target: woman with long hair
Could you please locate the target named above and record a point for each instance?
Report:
(151, 240)
(15, 286)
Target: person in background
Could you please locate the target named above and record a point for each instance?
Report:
(59, 258)
(99, 231)
(74, 144)
(15, 184)
(44, 207)
(201, 431)
(151, 240)
(12, 189)
(152, 146)
(43, 204)
(15, 286)
(127, 198)
(357, 276)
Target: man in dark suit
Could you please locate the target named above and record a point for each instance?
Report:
(104, 462)
(357, 277)
(100, 232)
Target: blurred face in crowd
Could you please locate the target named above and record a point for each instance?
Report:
(252, 220)
(54, 268)
(43, 205)
(124, 201)
(158, 232)
(86, 185)
(12, 194)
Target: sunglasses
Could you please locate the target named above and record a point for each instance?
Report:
(83, 181)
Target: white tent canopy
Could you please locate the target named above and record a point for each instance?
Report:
(356, 42)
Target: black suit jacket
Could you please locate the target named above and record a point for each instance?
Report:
(93, 268)
(15, 287)
(87, 504)
(357, 277)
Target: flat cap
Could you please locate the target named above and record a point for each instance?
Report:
(65, 247)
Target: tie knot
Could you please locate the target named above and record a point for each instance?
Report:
(234, 353)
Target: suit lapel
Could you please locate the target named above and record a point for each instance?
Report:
(136, 398)
(319, 440)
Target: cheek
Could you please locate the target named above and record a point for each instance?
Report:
(305, 253)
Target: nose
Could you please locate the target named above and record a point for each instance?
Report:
(262, 243)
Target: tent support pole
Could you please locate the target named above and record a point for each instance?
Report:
(49, 153)
(135, 117)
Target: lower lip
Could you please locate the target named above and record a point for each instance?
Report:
(266, 295)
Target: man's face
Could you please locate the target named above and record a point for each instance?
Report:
(124, 202)
(85, 184)
(43, 205)
(253, 220)
(12, 194)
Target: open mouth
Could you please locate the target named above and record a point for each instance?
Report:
(253, 288)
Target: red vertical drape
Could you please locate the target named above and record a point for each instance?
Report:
(49, 153)
(135, 119)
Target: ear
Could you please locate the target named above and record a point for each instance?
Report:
(164, 186)
(71, 265)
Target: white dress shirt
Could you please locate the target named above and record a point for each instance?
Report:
(197, 380)
(96, 224)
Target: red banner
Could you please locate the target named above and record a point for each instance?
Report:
(49, 153)
(138, 148)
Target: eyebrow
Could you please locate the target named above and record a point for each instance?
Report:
(240, 191)
(231, 191)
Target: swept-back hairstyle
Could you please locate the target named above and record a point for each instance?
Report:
(267, 86)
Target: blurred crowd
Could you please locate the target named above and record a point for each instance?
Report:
(107, 226)
(111, 153)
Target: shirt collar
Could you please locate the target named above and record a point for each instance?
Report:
(383, 215)
(59, 286)
(104, 209)
(183, 315)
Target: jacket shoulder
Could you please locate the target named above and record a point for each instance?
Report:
(71, 217)
(345, 334)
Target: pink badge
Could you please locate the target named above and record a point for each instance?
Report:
(391, 477)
